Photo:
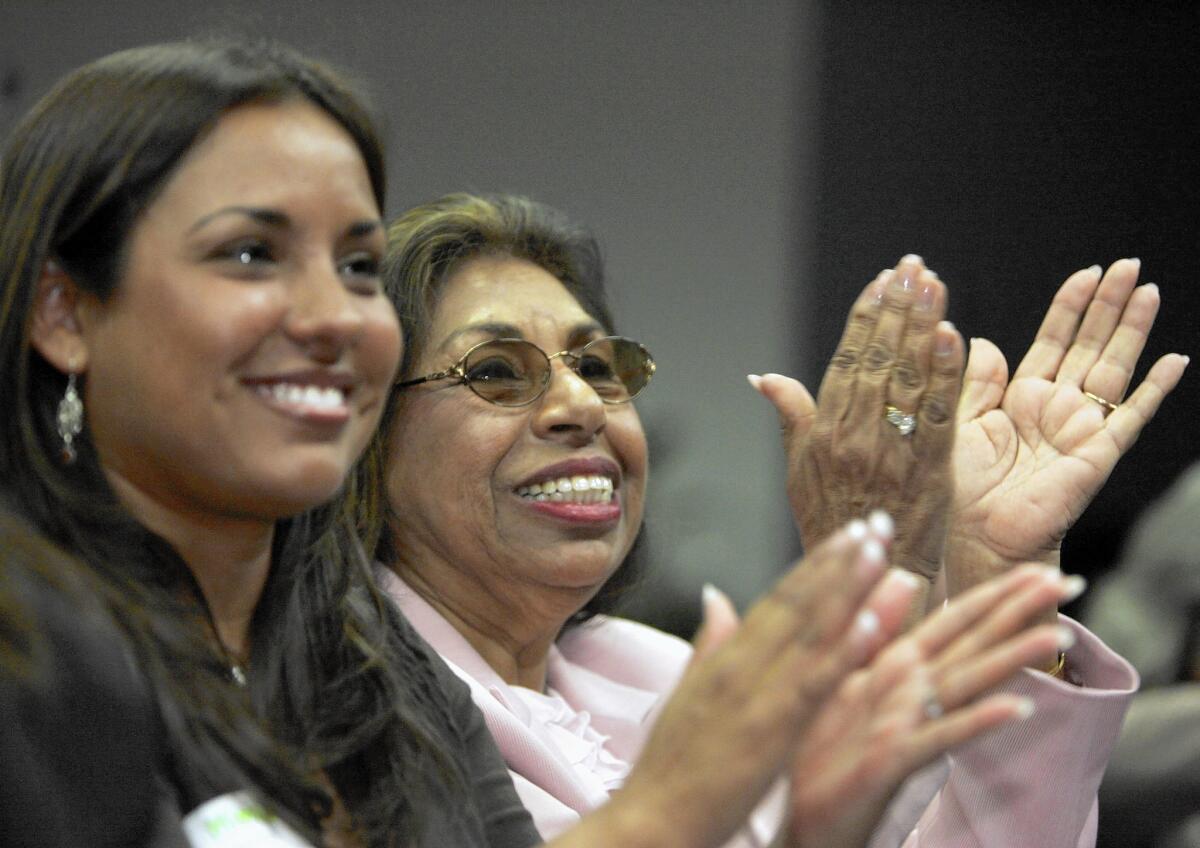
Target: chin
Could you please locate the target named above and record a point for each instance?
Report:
(296, 492)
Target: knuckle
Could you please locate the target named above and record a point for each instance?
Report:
(861, 323)
(877, 356)
(935, 411)
(908, 376)
(845, 360)
(852, 459)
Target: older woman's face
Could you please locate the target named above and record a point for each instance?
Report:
(459, 467)
(241, 365)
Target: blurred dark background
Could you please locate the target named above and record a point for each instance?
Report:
(1011, 144)
(747, 170)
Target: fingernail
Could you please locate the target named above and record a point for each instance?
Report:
(911, 257)
(1135, 261)
(709, 595)
(755, 380)
(901, 283)
(1025, 708)
(932, 273)
(866, 623)
(1072, 587)
(857, 530)
(925, 298)
(881, 523)
(1066, 637)
(1096, 269)
(880, 288)
(909, 579)
(872, 552)
(944, 340)
(1151, 286)
(1186, 361)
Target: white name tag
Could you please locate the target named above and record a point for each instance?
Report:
(236, 820)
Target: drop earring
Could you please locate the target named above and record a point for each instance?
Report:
(70, 419)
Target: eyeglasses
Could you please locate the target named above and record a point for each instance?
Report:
(514, 372)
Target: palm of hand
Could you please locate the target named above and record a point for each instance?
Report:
(1027, 469)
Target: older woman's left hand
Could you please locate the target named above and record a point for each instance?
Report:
(844, 456)
(1031, 453)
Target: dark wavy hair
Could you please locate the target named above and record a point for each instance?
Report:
(426, 245)
(334, 689)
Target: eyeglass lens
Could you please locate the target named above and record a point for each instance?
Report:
(512, 372)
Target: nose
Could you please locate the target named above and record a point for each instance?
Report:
(570, 411)
(324, 316)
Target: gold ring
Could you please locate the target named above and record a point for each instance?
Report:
(1108, 405)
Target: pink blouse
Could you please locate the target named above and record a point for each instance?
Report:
(1031, 784)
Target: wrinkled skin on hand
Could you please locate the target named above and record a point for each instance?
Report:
(844, 458)
(1032, 452)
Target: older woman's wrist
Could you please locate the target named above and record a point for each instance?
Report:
(634, 821)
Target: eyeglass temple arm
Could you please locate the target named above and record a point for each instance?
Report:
(429, 378)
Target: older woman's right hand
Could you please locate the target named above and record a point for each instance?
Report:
(737, 714)
(845, 457)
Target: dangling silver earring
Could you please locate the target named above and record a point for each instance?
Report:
(70, 419)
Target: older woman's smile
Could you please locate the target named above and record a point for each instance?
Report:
(575, 490)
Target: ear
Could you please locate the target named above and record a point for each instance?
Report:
(56, 330)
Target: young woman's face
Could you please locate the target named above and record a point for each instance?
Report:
(241, 365)
(460, 469)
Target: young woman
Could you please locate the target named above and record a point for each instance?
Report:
(195, 348)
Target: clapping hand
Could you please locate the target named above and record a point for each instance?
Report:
(880, 433)
(1031, 452)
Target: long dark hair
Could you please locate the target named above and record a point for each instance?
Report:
(325, 695)
(426, 245)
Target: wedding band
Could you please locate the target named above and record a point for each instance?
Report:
(903, 421)
(1108, 405)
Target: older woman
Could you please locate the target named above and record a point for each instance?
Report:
(515, 470)
(194, 349)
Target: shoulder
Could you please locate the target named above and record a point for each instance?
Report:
(80, 745)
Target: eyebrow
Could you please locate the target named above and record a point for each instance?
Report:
(501, 330)
(276, 219)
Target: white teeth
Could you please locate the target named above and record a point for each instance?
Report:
(318, 397)
(579, 489)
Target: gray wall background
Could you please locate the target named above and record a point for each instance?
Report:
(678, 131)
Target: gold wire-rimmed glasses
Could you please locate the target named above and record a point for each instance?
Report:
(516, 372)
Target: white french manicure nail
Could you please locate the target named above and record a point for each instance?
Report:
(1066, 638)
(857, 530)
(754, 379)
(1025, 709)
(866, 623)
(872, 551)
(1072, 587)
(881, 523)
